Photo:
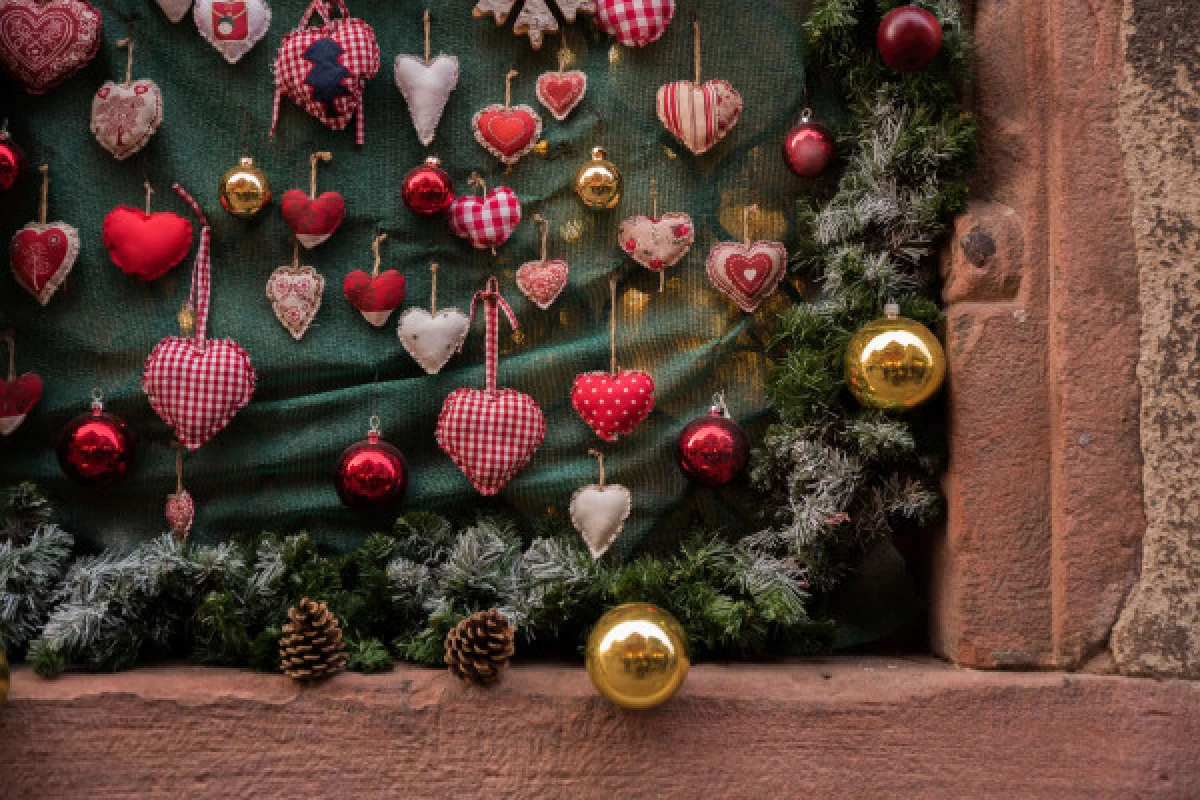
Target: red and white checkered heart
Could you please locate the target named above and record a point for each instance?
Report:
(657, 244)
(560, 92)
(295, 295)
(490, 435)
(126, 115)
(612, 405)
(197, 392)
(486, 223)
(749, 275)
(543, 281)
(507, 133)
(42, 257)
(635, 23)
(699, 116)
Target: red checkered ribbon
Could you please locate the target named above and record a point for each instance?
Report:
(202, 270)
(493, 303)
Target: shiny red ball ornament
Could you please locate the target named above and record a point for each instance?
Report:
(909, 39)
(713, 449)
(428, 189)
(809, 148)
(12, 161)
(95, 448)
(372, 475)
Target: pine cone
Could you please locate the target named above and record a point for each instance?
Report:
(479, 647)
(311, 647)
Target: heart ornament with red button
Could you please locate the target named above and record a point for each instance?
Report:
(506, 131)
(376, 294)
(44, 42)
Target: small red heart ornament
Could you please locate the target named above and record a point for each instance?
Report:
(613, 404)
(560, 92)
(17, 398)
(42, 257)
(146, 245)
(312, 220)
(486, 222)
(197, 390)
(490, 434)
(748, 274)
(376, 297)
(508, 133)
(543, 281)
(635, 23)
(44, 43)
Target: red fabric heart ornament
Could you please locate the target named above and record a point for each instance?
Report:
(543, 281)
(44, 43)
(375, 296)
(610, 404)
(560, 92)
(18, 396)
(42, 257)
(747, 273)
(635, 23)
(486, 222)
(146, 245)
(312, 220)
(508, 133)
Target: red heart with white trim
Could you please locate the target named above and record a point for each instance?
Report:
(490, 436)
(146, 245)
(17, 398)
(507, 133)
(197, 392)
(376, 297)
(312, 220)
(543, 281)
(44, 43)
(42, 257)
(560, 92)
(699, 116)
(613, 404)
(749, 275)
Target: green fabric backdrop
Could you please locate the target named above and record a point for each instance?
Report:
(271, 468)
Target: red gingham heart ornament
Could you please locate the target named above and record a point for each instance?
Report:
(635, 23)
(486, 222)
(490, 434)
(44, 43)
(197, 385)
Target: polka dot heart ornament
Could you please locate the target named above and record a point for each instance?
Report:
(312, 218)
(657, 243)
(699, 114)
(125, 115)
(506, 131)
(376, 295)
(749, 272)
(613, 403)
(487, 221)
(43, 253)
(432, 337)
(490, 433)
(599, 511)
(18, 395)
(543, 281)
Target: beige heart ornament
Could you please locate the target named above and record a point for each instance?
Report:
(432, 338)
(295, 293)
(599, 511)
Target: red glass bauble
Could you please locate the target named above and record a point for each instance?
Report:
(371, 475)
(809, 148)
(712, 450)
(95, 448)
(12, 161)
(428, 189)
(909, 39)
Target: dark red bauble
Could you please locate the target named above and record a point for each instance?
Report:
(909, 39)
(12, 161)
(713, 449)
(371, 475)
(809, 148)
(95, 448)
(428, 189)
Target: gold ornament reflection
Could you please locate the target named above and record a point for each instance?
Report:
(598, 182)
(894, 364)
(637, 656)
(245, 190)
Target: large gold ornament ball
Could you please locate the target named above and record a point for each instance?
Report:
(4, 678)
(245, 190)
(637, 655)
(598, 182)
(894, 363)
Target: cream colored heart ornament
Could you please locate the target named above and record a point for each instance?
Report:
(748, 274)
(657, 244)
(699, 115)
(232, 26)
(432, 339)
(599, 514)
(295, 294)
(126, 115)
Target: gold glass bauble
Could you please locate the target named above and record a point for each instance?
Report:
(245, 190)
(598, 182)
(4, 678)
(894, 363)
(637, 655)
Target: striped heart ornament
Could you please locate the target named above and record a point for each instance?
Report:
(699, 115)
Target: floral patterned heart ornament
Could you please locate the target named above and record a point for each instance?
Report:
(232, 26)
(657, 243)
(295, 294)
(749, 273)
(125, 115)
(44, 42)
(43, 253)
(506, 131)
(543, 281)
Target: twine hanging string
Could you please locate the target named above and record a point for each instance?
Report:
(295, 254)
(508, 79)
(747, 212)
(433, 289)
(599, 457)
(44, 205)
(375, 249)
(612, 326)
(564, 56)
(493, 304)
(544, 228)
(320, 155)
(696, 46)
(662, 273)
(127, 42)
(149, 191)
(426, 18)
(11, 340)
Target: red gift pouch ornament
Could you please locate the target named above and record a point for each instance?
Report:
(324, 70)
(194, 384)
(490, 434)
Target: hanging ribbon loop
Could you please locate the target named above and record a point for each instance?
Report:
(493, 303)
(201, 270)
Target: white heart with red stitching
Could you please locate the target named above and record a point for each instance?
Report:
(232, 26)
(432, 339)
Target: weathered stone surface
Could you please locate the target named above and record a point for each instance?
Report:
(1159, 629)
(862, 728)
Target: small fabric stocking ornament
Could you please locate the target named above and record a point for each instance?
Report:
(232, 26)
(313, 219)
(295, 293)
(543, 281)
(487, 221)
(749, 272)
(490, 434)
(375, 295)
(599, 511)
(432, 337)
(426, 86)
(44, 42)
(506, 131)
(43, 253)
(125, 115)
(197, 385)
(18, 395)
(657, 243)
(699, 114)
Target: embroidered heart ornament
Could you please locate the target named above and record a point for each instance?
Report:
(432, 339)
(699, 116)
(44, 43)
(599, 515)
(42, 256)
(145, 245)
(426, 88)
(560, 92)
(749, 275)
(657, 244)
(490, 435)
(612, 405)
(312, 220)
(486, 222)
(543, 281)
(507, 133)
(232, 26)
(635, 23)
(197, 392)
(17, 398)
(125, 116)
(376, 297)
(295, 294)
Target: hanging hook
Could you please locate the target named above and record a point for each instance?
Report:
(544, 228)
(508, 79)
(127, 42)
(382, 237)
(747, 212)
(600, 458)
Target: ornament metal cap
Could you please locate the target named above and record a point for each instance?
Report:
(891, 310)
(97, 401)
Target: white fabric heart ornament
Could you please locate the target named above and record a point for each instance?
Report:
(232, 26)
(599, 514)
(432, 339)
(295, 293)
(426, 86)
(126, 115)
(175, 10)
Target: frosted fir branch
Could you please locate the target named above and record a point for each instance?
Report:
(910, 498)
(29, 574)
(412, 583)
(481, 561)
(881, 437)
